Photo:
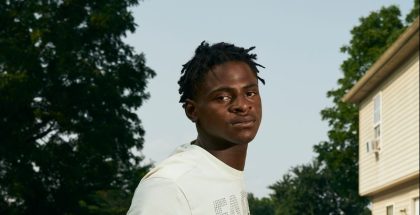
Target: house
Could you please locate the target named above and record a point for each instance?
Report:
(388, 100)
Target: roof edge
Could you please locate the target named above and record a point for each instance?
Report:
(408, 40)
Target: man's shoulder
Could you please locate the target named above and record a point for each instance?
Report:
(176, 166)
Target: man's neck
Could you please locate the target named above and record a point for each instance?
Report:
(233, 155)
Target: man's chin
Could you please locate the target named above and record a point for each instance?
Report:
(244, 139)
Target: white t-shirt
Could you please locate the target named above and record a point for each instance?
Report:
(191, 181)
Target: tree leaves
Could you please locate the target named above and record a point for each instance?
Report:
(339, 154)
(329, 185)
(69, 88)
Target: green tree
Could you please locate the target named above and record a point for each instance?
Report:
(263, 206)
(304, 190)
(330, 184)
(414, 13)
(69, 89)
(339, 154)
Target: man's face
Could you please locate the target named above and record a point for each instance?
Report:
(227, 108)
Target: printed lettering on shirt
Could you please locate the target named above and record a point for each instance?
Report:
(234, 207)
(221, 206)
(244, 201)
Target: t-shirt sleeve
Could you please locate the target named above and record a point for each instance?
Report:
(158, 196)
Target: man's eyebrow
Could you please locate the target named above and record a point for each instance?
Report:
(228, 89)
(221, 89)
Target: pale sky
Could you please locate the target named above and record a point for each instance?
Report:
(297, 41)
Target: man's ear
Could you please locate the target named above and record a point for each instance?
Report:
(190, 108)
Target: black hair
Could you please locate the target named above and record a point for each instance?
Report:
(205, 58)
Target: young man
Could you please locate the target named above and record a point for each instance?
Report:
(219, 92)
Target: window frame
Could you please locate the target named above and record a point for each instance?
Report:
(416, 210)
(377, 125)
(393, 209)
(379, 122)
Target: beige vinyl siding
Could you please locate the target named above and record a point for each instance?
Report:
(399, 155)
(402, 197)
(367, 164)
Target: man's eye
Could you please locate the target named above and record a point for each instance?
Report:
(223, 98)
(251, 93)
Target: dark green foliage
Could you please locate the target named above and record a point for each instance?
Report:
(263, 206)
(339, 154)
(414, 13)
(69, 87)
(330, 184)
(305, 190)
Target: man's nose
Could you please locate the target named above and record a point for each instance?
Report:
(240, 105)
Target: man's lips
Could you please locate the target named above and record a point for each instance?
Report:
(243, 122)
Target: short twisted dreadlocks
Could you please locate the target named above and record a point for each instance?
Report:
(206, 57)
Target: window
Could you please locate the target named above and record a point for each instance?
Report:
(377, 110)
(390, 210)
